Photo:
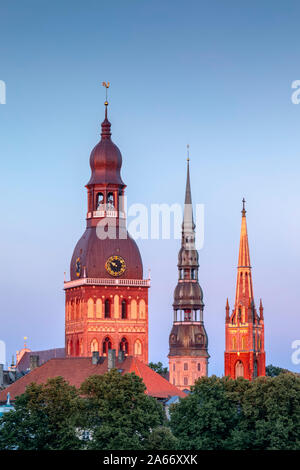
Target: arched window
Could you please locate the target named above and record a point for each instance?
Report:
(106, 345)
(124, 345)
(137, 348)
(98, 308)
(107, 308)
(110, 201)
(94, 345)
(142, 309)
(100, 201)
(244, 342)
(255, 371)
(133, 309)
(239, 369)
(234, 343)
(90, 309)
(185, 366)
(199, 366)
(69, 348)
(124, 309)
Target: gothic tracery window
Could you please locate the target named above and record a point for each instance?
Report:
(124, 345)
(106, 345)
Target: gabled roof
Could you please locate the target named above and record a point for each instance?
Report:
(44, 356)
(76, 369)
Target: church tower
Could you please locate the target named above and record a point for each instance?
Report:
(188, 356)
(244, 328)
(106, 301)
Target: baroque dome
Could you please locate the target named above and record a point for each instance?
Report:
(105, 158)
(94, 252)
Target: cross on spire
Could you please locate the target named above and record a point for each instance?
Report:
(244, 210)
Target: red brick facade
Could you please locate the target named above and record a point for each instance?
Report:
(244, 328)
(90, 328)
(106, 298)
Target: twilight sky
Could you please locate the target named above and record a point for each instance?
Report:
(214, 74)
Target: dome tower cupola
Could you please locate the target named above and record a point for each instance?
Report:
(106, 297)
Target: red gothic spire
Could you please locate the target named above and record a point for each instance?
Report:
(244, 287)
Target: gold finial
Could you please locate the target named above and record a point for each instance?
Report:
(188, 152)
(106, 85)
(25, 339)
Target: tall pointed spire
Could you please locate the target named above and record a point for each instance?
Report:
(244, 287)
(188, 339)
(244, 330)
(188, 225)
(244, 254)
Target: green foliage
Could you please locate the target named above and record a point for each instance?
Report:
(44, 418)
(237, 414)
(273, 371)
(158, 367)
(162, 438)
(119, 413)
(206, 417)
(271, 415)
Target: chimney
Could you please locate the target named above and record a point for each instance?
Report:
(34, 361)
(1, 376)
(111, 359)
(95, 357)
(121, 356)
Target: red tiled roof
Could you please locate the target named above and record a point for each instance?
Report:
(44, 356)
(76, 369)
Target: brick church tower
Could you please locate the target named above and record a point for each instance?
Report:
(106, 302)
(244, 328)
(188, 356)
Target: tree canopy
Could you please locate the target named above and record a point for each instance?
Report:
(119, 413)
(44, 418)
(158, 367)
(237, 414)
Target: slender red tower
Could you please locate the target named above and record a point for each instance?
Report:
(244, 328)
(106, 297)
(188, 342)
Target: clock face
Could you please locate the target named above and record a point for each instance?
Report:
(115, 265)
(78, 267)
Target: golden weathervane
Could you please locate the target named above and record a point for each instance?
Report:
(106, 85)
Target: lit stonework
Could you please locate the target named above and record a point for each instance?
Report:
(188, 356)
(244, 328)
(106, 297)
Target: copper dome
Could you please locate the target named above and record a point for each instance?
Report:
(93, 254)
(106, 158)
(188, 295)
(188, 340)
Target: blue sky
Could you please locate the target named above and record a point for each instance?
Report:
(216, 75)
